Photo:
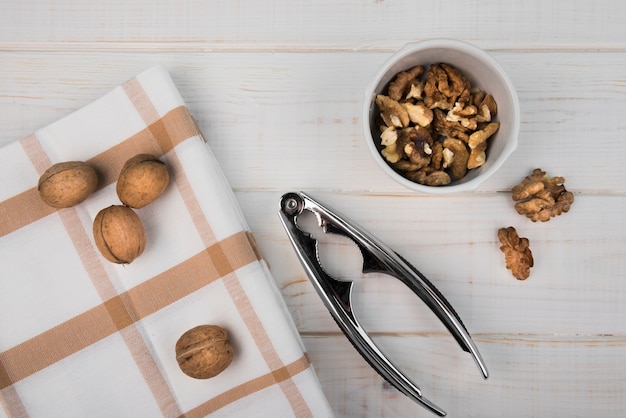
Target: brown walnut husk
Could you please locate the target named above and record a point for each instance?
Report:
(119, 234)
(142, 180)
(204, 351)
(67, 184)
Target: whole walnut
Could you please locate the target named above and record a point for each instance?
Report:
(67, 184)
(119, 234)
(142, 180)
(204, 351)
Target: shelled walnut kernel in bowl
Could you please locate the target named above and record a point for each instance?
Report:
(434, 125)
(142, 180)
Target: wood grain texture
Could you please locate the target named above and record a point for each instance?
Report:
(536, 377)
(298, 25)
(278, 88)
(295, 105)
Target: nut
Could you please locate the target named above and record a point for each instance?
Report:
(448, 128)
(540, 198)
(443, 104)
(465, 115)
(388, 136)
(392, 112)
(482, 135)
(478, 144)
(445, 85)
(436, 158)
(429, 178)
(487, 106)
(404, 82)
(419, 113)
(67, 184)
(142, 180)
(119, 234)
(458, 165)
(416, 143)
(517, 254)
(204, 351)
(391, 154)
(448, 157)
(477, 156)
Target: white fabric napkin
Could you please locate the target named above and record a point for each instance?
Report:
(83, 337)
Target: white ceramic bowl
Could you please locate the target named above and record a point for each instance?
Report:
(483, 72)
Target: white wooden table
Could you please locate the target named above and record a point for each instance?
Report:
(277, 88)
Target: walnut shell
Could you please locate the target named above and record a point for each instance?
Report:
(67, 184)
(204, 351)
(143, 179)
(119, 234)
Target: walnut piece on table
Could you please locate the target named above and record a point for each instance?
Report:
(517, 254)
(540, 198)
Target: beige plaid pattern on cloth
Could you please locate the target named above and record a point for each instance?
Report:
(82, 337)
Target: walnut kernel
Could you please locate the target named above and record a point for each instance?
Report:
(540, 198)
(517, 254)
(404, 82)
(443, 103)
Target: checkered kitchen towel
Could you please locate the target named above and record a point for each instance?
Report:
(82, 337)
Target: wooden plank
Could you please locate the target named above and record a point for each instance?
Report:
(577, 286)
(287, 25)
(277, 87)
(571, 103)
(577, 377)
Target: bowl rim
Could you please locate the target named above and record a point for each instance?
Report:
(464, 47)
